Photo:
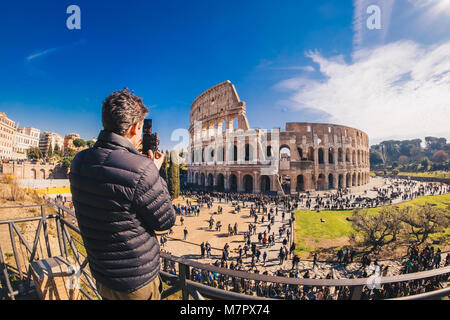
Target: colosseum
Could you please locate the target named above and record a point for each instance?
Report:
(225, 154)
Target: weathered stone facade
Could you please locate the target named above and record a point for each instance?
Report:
(31, 170)
(239, 159)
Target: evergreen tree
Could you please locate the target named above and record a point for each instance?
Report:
(50, 151)
(164, 170)
(174, 176)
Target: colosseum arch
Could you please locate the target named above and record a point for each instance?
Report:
(340, 155)
(341, 181)
(202, 180)
(300, 183)
(233, 183)
(285, 149)
(321, 156)
(331, 156)
(347, 156)
(330, 181)
(220, 183)
(321, 182)
(210, 180)
(285, 181)
(248, 183)
(265, 184)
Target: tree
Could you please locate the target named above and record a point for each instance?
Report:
(403, 159)
(34, 153)
(66, 162)
(375, 158)
(56, 149)
(50, 151)
(433, 144)
(90, 143)
(440, 156)
(379, 229)
(423, 221)
(174, 176)
(425, 163)
(70, 153)
(79, 143)
(164, 170)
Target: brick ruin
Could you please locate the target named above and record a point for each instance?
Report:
(225, 154)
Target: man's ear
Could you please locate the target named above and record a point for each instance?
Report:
(133, 129)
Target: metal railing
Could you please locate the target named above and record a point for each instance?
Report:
(24, 253)
(183, 281)
(176, 271)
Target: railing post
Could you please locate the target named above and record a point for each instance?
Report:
(4, 270)
(14, 247)
(184, 274)
(356, 292)
(58, 231)
(44, 221)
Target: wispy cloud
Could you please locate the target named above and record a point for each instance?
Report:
(299, 68)
(270, 65)
(40, 54)
(46, 52)
(399, 90)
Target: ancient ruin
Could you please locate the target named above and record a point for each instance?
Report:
(225, 154)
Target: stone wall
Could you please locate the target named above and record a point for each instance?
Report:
(33, 170)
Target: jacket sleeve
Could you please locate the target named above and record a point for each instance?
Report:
(152, 200)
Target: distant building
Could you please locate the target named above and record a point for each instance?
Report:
(24, 139)
(50, 138)
(68, 142)
(6, 137)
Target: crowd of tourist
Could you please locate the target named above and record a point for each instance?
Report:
(251, 256)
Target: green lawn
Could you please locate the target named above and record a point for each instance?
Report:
(432, 174)
(308, 224)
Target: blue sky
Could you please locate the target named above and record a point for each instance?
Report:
(289, 60)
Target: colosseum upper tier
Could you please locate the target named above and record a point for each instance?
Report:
(226, 155)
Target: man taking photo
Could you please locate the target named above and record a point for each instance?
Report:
(120, 200)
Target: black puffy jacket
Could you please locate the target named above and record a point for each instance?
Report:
(120, 200)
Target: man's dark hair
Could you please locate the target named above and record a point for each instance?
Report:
(122, 109)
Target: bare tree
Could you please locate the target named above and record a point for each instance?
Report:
(423, 221)
(377, 229)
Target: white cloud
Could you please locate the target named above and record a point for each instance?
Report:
(433, 7)
(40, 54)
(397, 90)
